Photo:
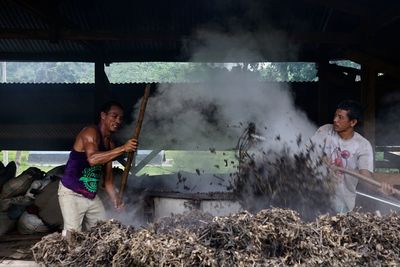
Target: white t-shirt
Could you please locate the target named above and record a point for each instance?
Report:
(353, 154)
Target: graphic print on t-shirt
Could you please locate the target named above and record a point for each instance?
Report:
(339, 158)
(90, 177)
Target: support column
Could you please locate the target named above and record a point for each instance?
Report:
(3, 72)
(323, 95)
(4, 80)
(368, 101)
(102, 87)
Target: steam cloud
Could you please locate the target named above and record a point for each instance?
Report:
(214, 114)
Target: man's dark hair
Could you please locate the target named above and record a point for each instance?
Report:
(353, 109)
(107, 106)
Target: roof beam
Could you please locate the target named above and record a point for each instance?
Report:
(337, 38)
(134, 56)
(384, 19)
(371, 60)
(74, 35)
(48, 12)
(43, 9)
(345, 6)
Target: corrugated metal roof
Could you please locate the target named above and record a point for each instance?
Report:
(16, 18)
(120, 31)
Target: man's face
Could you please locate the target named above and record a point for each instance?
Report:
(113, 118)
(341, 121)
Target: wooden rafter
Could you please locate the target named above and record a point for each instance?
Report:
(338, 38)
(47, 11)
(371, 60)
(44, 10)
(381, 19)
(76, 35)
(346, 6)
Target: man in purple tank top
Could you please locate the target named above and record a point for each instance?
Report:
(90, 159)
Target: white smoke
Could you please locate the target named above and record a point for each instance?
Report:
(211, 46)
(214, 113)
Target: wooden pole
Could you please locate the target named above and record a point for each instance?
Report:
(363, 177)
(131, 155)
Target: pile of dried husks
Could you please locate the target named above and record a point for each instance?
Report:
(274, 237)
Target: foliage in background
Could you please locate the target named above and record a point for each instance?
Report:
(72, 72)
(197, 72)
(50, 72)
(188, 161)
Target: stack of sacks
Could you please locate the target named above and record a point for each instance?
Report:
(47, 200)
(6, 173)
(44, 214)
(16, 194)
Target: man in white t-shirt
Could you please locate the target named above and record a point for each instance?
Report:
(343, 147)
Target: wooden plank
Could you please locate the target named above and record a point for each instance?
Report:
(388, 148)
(19, 237)
(145, 161)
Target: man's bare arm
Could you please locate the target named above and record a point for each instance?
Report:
(90, 140)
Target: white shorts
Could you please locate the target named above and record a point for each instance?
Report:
(78, 211)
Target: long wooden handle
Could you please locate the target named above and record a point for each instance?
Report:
(131, 155)
(363, 177)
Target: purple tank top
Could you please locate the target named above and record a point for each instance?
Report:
(79, 176)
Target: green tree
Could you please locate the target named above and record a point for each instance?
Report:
(72, 72)
(50, 72)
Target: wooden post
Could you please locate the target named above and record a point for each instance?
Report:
(323, 95)
(101, 87)
(368, 101)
